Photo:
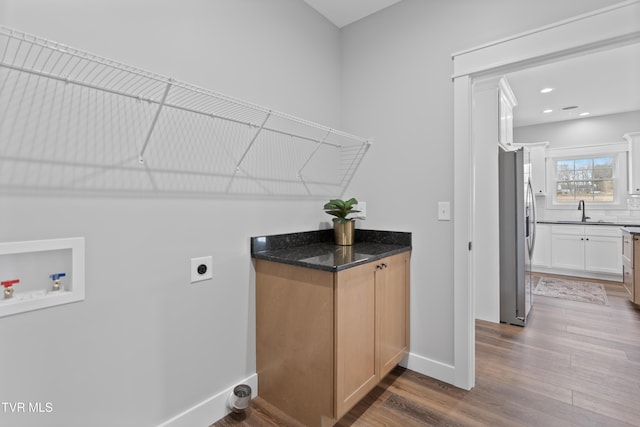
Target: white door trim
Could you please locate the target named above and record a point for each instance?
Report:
(602, 29)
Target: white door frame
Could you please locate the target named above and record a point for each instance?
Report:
(602, 29)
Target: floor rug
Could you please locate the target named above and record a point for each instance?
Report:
(572, 290)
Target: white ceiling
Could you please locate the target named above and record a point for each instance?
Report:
(606, 82)
(344, 12)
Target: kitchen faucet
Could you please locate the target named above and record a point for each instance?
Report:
(584, 212)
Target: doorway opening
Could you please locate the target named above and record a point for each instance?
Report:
(574, 37)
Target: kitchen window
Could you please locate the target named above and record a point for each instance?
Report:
(592, 179)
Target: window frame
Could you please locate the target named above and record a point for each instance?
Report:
(617, 151)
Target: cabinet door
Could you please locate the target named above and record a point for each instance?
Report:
(634, 288)
(538, 170)
(634, 162)
(294, 339)
(542, 249)
(356, 372)
(568, 251)
(627, 247)
(392, 305)
(627, 277)
(602, 254)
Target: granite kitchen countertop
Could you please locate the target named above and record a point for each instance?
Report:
(317, 250)
(603, 223)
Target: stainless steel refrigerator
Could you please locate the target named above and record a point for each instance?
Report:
(517, 217)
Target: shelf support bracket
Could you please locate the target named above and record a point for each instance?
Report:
(314, 153)
(153, 123)
(252, 141)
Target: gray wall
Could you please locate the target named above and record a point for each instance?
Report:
(577, 133)
(397, 87)
(587, 131)
(146, 345)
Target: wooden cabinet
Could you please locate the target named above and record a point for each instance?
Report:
(630, 265)
(323, 339)
(355, 317)
(586, 249)
(392, 298)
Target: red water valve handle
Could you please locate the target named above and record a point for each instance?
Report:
(9, 283)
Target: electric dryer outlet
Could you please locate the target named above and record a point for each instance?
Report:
(201, 269)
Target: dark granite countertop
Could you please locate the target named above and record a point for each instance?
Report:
(632, 229)
(316, 249)
(603, 223)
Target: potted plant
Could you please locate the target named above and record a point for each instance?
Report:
(343, 227)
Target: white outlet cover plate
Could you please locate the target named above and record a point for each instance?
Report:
(444, 211)
(207, 261)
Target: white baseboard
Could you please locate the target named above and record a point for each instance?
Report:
(431, 368)
(578, 273)
(210, 410)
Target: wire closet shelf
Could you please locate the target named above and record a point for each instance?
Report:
(74, 121)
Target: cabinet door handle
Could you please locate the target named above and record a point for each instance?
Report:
(378, 267)
(582, 238)
(587, 238)
(384, 265)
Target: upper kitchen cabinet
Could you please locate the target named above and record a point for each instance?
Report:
(506, 103)
(536, 166)
(538, 158)
(634, 161)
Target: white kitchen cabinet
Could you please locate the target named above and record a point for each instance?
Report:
(602, 254)
(542, 249)
(586, 249)
(538, 158)
(536, 166)
(567, 247)
(506, 103)
(634, 161)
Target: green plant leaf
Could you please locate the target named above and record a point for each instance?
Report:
(352, 201)
(341, 209)
(337, 202)
(339, 214)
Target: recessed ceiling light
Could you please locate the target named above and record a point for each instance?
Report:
(547, 90)
(584, 114)
(548, 111)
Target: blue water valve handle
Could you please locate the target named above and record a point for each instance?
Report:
(57, 276)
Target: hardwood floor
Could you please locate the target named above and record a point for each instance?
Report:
(574, 364)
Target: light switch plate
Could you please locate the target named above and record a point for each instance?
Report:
(444, 211)
(201, 269)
